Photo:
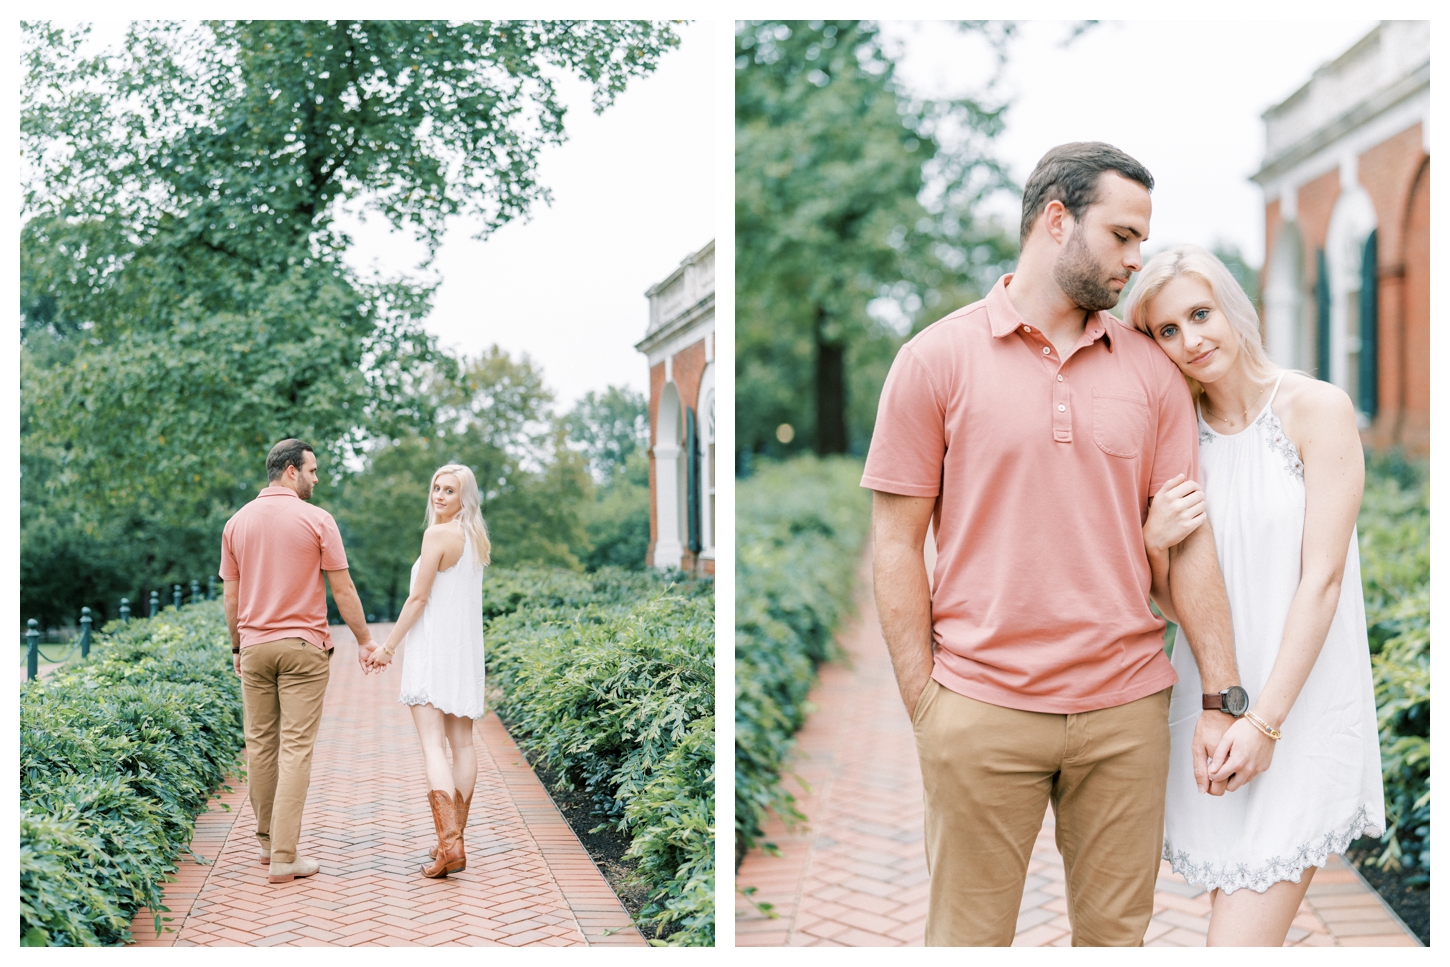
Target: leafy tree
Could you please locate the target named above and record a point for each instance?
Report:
(184, 300)
(608, 427)
(854, 217)
(611, 429)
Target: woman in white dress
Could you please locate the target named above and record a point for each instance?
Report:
(442, 624)
(1296, 777)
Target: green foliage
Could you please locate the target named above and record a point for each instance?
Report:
(185, 297)
(609, 428)
(854, 220)
(617, 522)
(799, 528)
(609, 681)
(1394, 547)
(117, 757)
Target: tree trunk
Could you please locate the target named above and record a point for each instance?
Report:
(830, 390)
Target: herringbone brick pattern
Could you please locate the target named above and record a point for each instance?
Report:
(528, 881)
(856, 875)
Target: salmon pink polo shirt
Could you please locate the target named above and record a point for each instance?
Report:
(1041, 468)
(277, 547)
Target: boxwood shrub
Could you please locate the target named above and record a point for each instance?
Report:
(1394, 547)
(608, 680)
(799, 528)
(118, 755)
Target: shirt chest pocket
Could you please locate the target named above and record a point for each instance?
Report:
(1120, 421)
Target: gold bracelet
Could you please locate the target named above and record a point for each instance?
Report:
(1263, 726)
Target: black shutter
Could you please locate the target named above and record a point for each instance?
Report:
(1321, 310)
(692, 480)
(1369, 302)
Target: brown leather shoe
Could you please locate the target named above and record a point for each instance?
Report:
(461, 806)
(450, 857)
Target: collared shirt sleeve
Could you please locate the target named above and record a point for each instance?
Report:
(228, 570)
(909, 441)
(1176, 449)
(334, 558)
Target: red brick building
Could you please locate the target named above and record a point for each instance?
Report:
(1346, 280)
(680, 345)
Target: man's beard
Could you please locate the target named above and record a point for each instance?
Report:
(304, 490)
(1081, 278)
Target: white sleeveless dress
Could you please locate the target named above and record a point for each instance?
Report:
(1324, 786)
(443, 660)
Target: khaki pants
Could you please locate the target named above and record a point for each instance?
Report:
(283, 684)
(989, 773)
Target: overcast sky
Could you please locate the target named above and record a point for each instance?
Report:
(1184, 98)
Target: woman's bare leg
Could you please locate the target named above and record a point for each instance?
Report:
(432, 737)
(1248, 919)
(459, 729)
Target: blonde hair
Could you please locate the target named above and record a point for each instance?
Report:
(1228, 295)
(470, 515)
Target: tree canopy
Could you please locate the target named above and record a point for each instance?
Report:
(185, 301)
(855, 217)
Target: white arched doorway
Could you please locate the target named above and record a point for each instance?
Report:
(669, 479)
(1352, 309)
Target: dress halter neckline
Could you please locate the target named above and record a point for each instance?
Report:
(1257, 416)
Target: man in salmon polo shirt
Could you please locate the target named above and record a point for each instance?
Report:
(275, 551)
(1030, 430)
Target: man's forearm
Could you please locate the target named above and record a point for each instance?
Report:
(1201, 601)
(349, 605)
(903, 601)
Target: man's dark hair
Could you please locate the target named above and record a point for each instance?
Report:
(286, 454)
(1069, 173)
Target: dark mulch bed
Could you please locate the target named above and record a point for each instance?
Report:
(1410, 901)
(606, 847)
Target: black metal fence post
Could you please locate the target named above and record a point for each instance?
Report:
(195, 592)
(176, 596)
(125, 610)
(155, 604)
(32, 651)
(210, 587)
(85, 633)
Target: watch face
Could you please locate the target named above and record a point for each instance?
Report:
(1235, 700)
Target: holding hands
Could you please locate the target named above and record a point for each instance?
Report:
(1242, 753)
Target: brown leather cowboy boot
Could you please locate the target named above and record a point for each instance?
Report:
(450, 836)
(462, 811)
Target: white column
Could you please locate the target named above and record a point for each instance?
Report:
(668, 549)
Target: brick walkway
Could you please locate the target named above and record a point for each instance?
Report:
(528, 882)
(857, 875)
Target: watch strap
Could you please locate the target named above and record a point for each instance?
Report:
(1213, 702)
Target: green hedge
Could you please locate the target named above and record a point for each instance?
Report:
(799, 528)
(117, 757)
(609, 680)
(1394, 547)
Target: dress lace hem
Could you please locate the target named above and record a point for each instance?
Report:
(421, 699)
(1277, 869)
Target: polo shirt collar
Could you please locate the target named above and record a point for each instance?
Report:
(270, 491)
(1005, 319)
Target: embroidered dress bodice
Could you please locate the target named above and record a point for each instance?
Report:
(1324, 787)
